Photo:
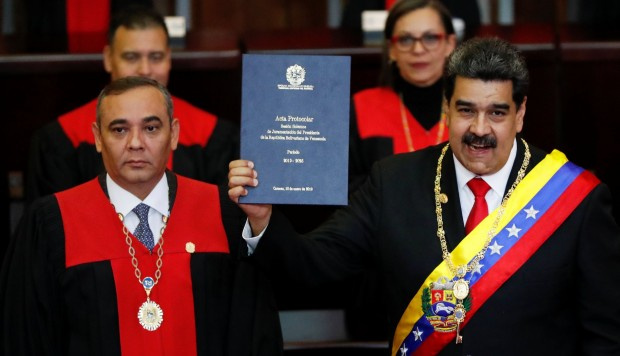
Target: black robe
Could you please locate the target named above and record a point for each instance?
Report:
(58, 295)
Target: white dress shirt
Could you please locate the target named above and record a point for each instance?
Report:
(497, 181)
(124, 202)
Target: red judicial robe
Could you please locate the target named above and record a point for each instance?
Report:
(378, 131)
(63, 154)
(68, 285)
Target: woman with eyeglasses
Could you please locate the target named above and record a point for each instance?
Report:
(404, 113)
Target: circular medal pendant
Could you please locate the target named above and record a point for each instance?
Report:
(460, 289)
(150, 315)
(148, 282)
(459, 313)
(460, 271)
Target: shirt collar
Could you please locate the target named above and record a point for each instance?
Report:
(497, 180)
(124, 201)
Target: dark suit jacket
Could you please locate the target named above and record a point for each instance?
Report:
(563, 301)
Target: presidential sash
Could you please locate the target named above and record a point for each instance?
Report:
(539, 205)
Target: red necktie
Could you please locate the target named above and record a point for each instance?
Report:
(480, 210)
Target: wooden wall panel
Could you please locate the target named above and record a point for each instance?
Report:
(259, 15)
(534, 11)
(308, 13)
(217, 14)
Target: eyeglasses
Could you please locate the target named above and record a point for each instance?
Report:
(429, 41)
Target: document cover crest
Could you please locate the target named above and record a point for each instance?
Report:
(295, 128)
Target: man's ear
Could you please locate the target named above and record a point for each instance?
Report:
(446, 110)
(520, 115)
(97, 134)
(175, 126)
(450, 44)
(107, 58)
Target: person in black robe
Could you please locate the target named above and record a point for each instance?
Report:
(62, 153)
(82, 278)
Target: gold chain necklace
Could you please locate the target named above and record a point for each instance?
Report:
(150, 314)
(407, 131)
(461, 286)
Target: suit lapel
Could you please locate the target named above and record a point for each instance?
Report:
(452, 216)
(516, 166)
(172, 188)
(536, 157)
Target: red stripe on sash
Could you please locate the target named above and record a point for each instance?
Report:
(527, 245)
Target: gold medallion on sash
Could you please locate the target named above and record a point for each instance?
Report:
(441, 306)
(456, 300)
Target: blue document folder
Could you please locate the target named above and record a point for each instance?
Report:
(295, 127)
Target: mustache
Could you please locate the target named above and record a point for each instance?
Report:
(485, 141)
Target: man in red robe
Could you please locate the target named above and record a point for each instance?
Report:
(63, 155)
(88, 272)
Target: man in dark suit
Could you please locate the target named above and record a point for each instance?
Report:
(535, 276)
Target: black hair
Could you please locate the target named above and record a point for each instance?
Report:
(488, 59)
(136, 17)
(125, 84)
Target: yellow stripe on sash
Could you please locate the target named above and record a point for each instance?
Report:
(474, 242)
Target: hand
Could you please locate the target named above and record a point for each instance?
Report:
(241, 173)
